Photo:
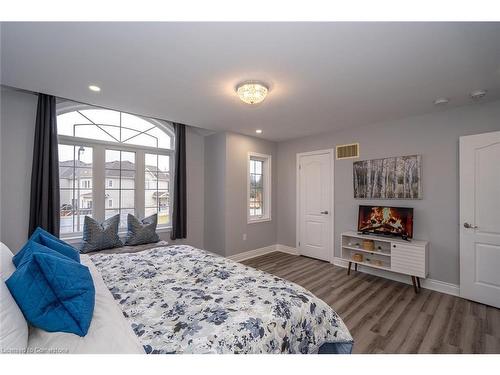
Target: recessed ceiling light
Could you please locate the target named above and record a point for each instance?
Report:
(441, 101)
(252, 92)
(259, 131)
(94, 88)
(478, 94)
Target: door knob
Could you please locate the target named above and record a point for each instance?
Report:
(469, 226)
(324, 212)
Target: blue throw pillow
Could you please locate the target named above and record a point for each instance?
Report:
(32, 247)
(54, 293)
(46, 239)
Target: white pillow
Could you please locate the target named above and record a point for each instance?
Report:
(7, 268)
(13, 325)
(109, 331)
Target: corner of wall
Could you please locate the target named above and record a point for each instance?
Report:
(214, 191)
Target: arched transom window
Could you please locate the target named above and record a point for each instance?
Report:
(111, 163)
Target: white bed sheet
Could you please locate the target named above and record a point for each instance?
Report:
(109, 331)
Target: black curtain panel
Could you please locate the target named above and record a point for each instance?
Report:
(44, 197)
(179, 215)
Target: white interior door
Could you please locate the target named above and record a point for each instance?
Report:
(479, 220)
(315, 204)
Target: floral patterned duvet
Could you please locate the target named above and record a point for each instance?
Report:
(179, 299)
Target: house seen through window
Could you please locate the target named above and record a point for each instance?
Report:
(259, 187)
(111, 163)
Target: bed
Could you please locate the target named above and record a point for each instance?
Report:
(179, 299)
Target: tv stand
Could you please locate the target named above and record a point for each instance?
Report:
(405, 256)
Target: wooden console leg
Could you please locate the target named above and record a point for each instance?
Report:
(349, 269)
(355, 266)
(414, 284)
(418, 283)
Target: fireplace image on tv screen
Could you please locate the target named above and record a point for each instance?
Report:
(395, 221)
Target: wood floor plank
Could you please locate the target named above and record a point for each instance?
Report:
(493, 322)
(392, 314)
(432, 303)
(472, 342)
(491, 344)
(374, 310)
(455, 328)
(364, 340)
(415, 335)
(385, 316)
(403, 325)
(356, 298)
(439, 325)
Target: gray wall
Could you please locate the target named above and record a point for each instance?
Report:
(226, 156)
(17, 122)
(435, 137)
(17, 130)
(215, 192)
(258, 234)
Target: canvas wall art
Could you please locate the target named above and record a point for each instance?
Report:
(397, 177)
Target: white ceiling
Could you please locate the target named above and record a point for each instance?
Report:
(323, 76)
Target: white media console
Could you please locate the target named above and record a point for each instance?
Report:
(387, 253)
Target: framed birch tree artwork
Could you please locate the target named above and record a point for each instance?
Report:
(397, 177)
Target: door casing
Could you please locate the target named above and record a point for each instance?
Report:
(331, 209)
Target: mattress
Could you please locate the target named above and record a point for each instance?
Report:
(179, 299)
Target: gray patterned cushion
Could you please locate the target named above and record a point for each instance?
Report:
(141, 231)
(97, 236)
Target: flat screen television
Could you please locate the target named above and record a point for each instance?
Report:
(384, 220)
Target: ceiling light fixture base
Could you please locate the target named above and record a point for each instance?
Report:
(252, 92)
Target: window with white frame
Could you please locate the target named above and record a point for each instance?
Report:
(111, 163)
(259, 187)
(157, 186)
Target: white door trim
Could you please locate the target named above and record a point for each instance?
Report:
(331, 209)
(472, 263)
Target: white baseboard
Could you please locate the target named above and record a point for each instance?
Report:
(431, 284)
(262, 251)
(253, 253)
(287, 249)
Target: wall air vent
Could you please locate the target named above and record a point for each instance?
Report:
(349, 151)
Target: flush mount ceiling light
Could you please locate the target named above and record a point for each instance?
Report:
(252, 92)
(259, 131)
(94, 88)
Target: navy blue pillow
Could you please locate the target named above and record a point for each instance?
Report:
(46, 239)
(141, 231)
(100, 236)
(54, 293)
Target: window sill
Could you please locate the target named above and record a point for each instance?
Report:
(260, 220)
(76, 238)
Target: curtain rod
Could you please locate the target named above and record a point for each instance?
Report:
(80, 102)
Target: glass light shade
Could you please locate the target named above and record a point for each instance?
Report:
(252, 92)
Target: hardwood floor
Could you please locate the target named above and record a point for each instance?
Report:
(386, 316)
